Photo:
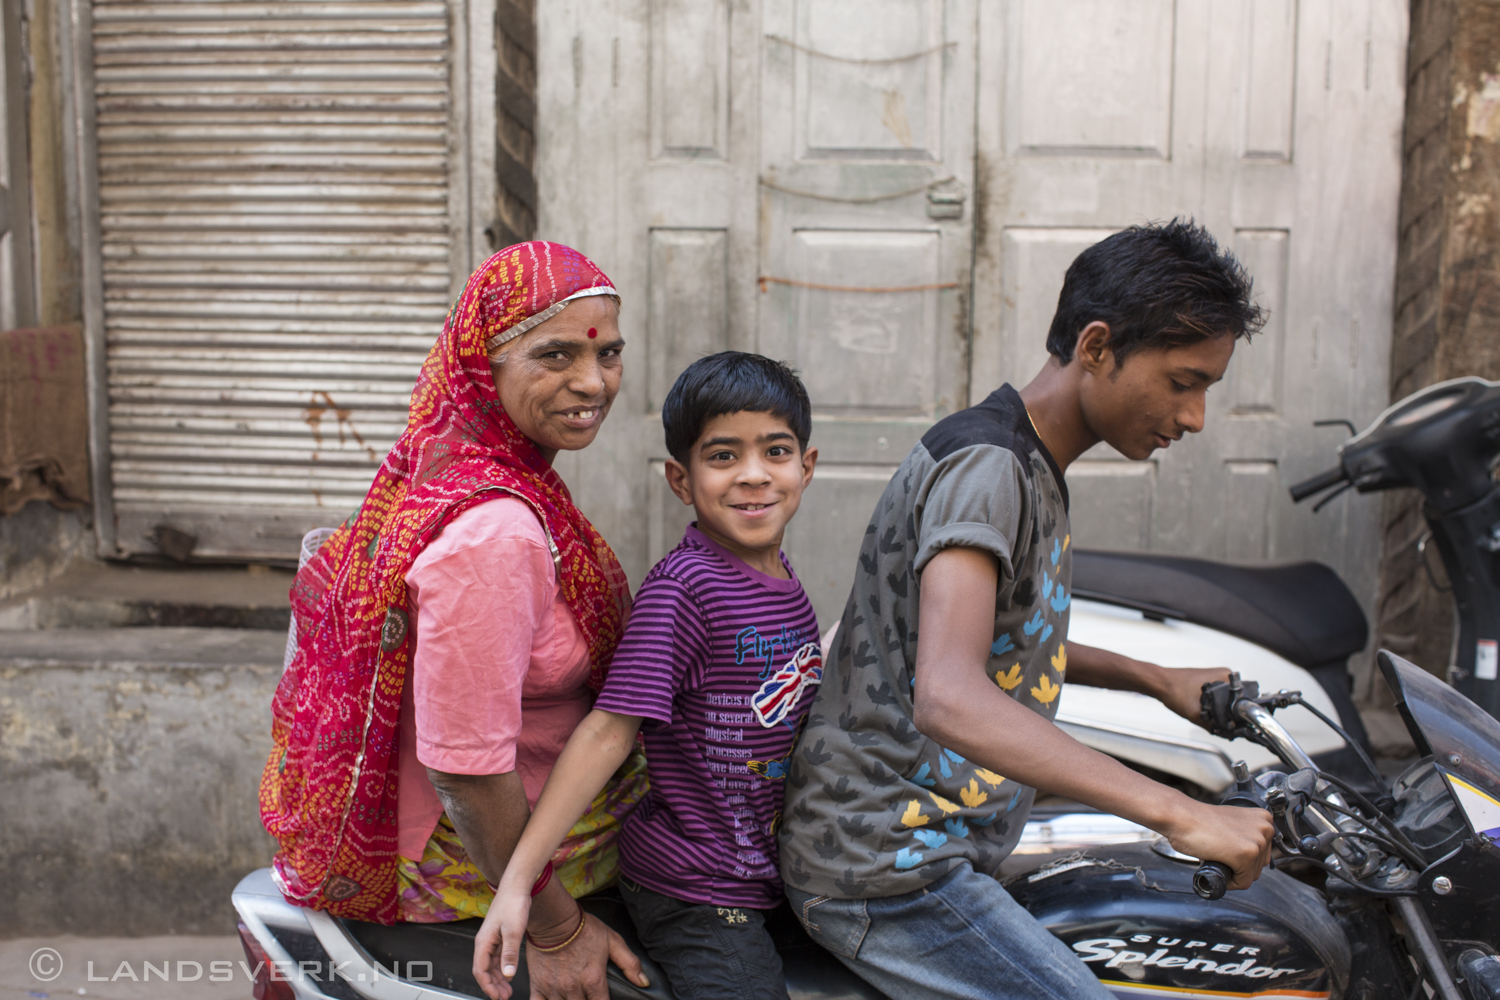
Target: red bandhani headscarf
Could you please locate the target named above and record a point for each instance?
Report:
(328, 794)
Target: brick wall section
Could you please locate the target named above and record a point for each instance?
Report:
(515, 41)
(1447, 319)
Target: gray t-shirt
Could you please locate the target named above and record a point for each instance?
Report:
(874, 808)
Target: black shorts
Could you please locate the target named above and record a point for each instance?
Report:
(707, 952)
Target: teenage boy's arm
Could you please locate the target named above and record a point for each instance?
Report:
(1179, 688)
(594, 752)
(959, 707)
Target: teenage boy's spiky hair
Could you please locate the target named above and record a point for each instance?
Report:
(729, 382)
(1159, 285)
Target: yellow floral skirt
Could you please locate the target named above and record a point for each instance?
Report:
(446, 884)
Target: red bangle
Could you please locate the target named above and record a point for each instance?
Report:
(542, 880)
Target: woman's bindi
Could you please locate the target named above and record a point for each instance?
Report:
(593, 333)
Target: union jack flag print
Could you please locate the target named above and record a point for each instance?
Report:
(776, 698)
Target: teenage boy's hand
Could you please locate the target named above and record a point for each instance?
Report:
(1238, 837)
(1182, 689)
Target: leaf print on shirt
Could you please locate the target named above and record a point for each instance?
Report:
(943, 768)
(1046, 585)
(1009, 679)
(947, 807)
(1060, 659)
(914, 815)
(923, 776)
(1066, 540)
(855, 826)
(1060, 600)
(989, 777)
(1057, 550)
(956, 828)
(1002, 645)
(1046, 691)
(1034, 626)
(907, 858)
(972, 796)
(1046, 634)
(1025, 595)
(930, 838)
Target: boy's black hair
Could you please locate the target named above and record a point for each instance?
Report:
(1157, 285)
(729, 382)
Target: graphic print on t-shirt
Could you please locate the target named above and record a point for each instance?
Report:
(722, 661)
(873, 807)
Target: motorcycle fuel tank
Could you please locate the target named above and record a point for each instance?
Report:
(1131, 916)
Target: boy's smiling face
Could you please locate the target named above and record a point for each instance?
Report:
(744, 477)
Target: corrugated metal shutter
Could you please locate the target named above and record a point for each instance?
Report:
(276, 238)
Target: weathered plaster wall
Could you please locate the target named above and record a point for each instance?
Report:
(129, 764)
(39, 543)
(1448, 275)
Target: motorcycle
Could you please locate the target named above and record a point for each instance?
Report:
(1382, 897)
(1293, 627)
(1391, 896)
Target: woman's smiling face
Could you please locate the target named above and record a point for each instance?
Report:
(559, 380)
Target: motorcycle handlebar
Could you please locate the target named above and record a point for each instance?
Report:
(1317, 484)
(1211, 880)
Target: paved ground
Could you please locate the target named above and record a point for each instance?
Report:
(67, 965)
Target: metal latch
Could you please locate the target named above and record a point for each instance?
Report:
(946, 200)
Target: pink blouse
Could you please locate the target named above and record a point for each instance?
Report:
(500, 668)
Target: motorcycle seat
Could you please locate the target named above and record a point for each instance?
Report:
(1301, 611)
(811, 972)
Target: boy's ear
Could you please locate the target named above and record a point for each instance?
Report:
(1093, 351)
(809, 459)
(677, 481)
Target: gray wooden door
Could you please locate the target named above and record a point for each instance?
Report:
(1276, 123)
(763, 175)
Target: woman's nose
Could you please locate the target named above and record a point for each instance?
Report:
(588, 378)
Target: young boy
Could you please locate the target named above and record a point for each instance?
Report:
(717, 667)
(933, 723)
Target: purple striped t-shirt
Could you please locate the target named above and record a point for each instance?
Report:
(722, 661)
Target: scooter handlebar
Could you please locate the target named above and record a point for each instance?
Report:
(1317, 484)
(1211, 880)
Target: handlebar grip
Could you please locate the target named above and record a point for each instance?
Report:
(1211, 880)
(1317, 484)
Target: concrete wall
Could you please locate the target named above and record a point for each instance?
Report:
(129, 764)
(1448, 276)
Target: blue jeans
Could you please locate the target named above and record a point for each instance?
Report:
(961, 938)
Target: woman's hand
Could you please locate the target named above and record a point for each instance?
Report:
(576, 972)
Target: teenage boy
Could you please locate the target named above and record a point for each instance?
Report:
(716, 669)
(933, 724)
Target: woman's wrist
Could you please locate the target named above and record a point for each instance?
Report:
(554, 915)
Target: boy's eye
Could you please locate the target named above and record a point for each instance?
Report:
(721, 456)
(778, 450)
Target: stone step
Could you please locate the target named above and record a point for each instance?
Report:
(111, 595)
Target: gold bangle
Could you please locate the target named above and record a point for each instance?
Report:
(583, 918)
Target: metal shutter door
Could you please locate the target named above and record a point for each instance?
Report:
(274, 226)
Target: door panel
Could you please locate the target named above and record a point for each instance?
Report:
(887, 194)
(1275, 123)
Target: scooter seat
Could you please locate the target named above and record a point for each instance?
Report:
(1300, 611)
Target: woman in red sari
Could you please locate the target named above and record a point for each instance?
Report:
(449, 635)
